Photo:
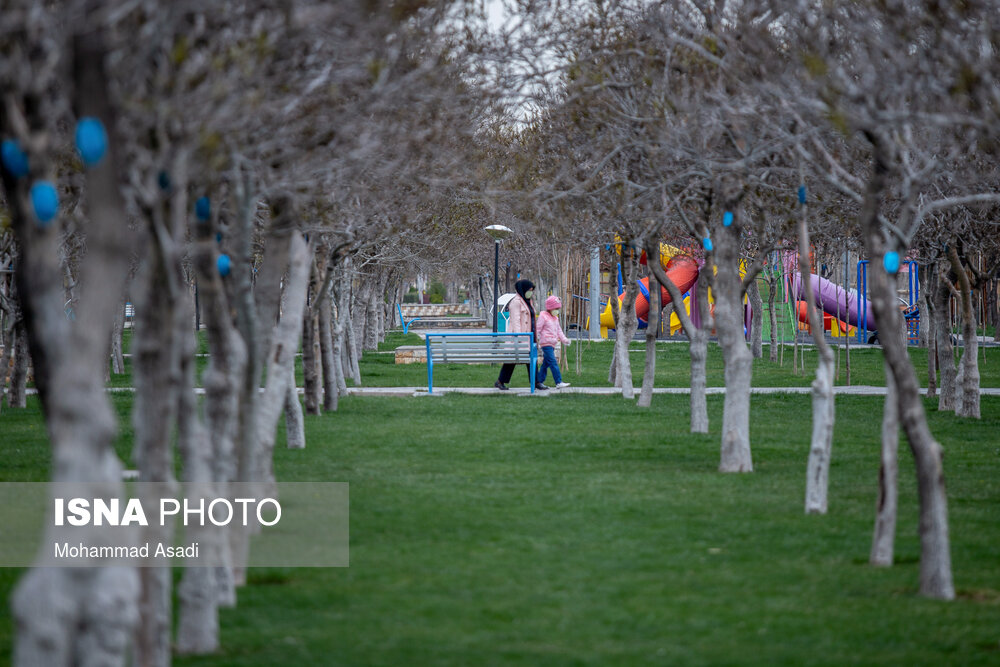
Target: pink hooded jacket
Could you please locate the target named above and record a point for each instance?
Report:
(548, 330)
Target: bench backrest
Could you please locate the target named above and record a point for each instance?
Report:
(511, 348)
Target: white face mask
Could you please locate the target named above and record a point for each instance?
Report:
(555, 313)
(527, 295)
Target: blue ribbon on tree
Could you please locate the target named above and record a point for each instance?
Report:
(91, 140)
(224, 265)
(14, 159)
(44, 201)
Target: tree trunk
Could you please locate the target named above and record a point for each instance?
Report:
(331, 389)
(756, 320)
(339, 342)
(698, 349)
(735, 453)
(821, 444)
(359, 314)
(351, 348)
(8, 339)
(283, 346)
(968, 387)
(652, 328)
(373, 308)
(310, 376)
(935, 555)
(626, 326)
(295, 431)
(923, 305)
(699, 401)
(156, 376)
(198, 621)
(18, 396)
(117, 356)
(883, 541)
(70, 616)
(197, 593)
(928, 327)
(945, 350)
(772, 288)
(203, 590)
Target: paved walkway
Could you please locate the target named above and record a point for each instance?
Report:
(856, 390)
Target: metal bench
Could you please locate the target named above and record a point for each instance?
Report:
(402, 320)
(480, 348)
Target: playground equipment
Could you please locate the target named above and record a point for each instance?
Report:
(836, 301)
(830, 323)
(679, 266)
(866, 326)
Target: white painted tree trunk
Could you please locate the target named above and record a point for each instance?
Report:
(295, 430)
(351, 350)
(331, 390)
(284, 344)
(156, 376)
(821, 444)
(884, 538)
(74, 616)
(626, 326)
(338, 340)
(959, 380)
(198, 599)
(935, 554)
(310, 365)
(253, 332)
(652, 329)
(223, 379)
(373, 310)
(735, 453)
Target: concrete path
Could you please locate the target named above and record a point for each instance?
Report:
(856, 390)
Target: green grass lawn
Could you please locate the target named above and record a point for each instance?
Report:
(582, 530)
(673, 367)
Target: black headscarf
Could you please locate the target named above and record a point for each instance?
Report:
(522, 286)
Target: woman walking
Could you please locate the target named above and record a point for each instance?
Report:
(522, 320)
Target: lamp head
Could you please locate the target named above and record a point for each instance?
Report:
(499, 232)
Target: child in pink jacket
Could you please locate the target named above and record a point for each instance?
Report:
(549, 334)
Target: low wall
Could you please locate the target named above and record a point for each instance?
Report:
(434, 309)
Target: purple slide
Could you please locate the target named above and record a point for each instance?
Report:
(831, 296)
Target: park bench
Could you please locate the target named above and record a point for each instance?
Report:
(402, 320)
(480, 348)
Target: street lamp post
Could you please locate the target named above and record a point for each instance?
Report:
(498, 232)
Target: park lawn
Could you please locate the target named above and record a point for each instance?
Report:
(582, 530)
(673, 367)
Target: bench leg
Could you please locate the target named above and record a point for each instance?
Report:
(534, 362)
